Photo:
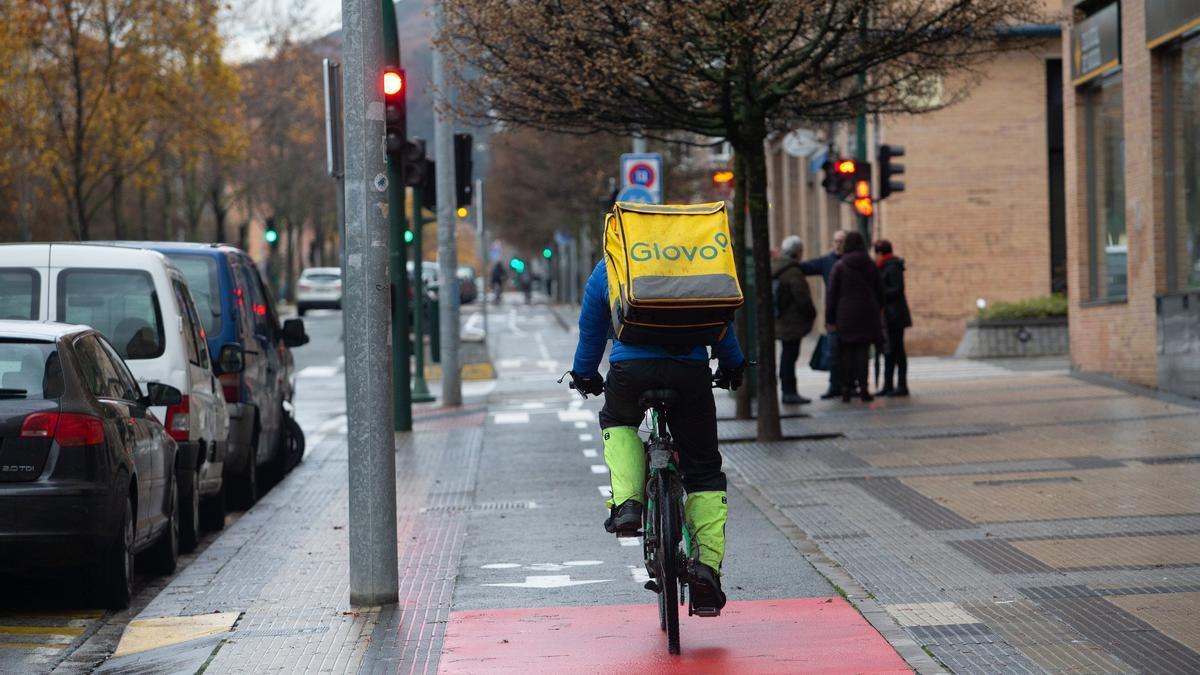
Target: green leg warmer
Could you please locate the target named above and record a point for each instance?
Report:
(706, 513)
(626, 460)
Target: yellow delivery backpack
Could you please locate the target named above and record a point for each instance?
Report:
(671, 274)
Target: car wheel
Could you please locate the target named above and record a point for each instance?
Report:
(293, 442)
(164, 556)
(301, 309)
(212, 510)
(246, 492)
(116, 584)
(189, 530)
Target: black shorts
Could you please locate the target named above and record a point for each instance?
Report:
(692, 422)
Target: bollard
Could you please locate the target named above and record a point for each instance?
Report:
(435, 330)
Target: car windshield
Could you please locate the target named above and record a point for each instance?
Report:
(322, 277)
(19, 293)
(29, 370)
(121, 304)
(201, 274)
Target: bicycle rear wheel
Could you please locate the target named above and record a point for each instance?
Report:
(668, 535)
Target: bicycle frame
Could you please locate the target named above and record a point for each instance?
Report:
(660, 442)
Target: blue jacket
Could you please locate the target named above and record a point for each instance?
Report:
(595, 326)
(823, 266)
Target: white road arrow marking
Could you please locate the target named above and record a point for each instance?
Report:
(550, 581)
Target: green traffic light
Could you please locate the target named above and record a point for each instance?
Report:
(517, 264)
(271, 236)
(408, 236)
(547, 253)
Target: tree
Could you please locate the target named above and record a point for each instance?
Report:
(731, 69)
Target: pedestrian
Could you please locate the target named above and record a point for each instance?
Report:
(824, 267)
(498, 277)
(896, 318)
(794, 314)
(853, 302)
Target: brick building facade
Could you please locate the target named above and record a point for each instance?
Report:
(1132, 102)
(982, 213)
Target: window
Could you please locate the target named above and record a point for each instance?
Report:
(101, 377)
(201, 274)
(197, 347)
(30, 370)
(121, 304)
(1181, 154)
(130, 389)
(1105, 165)
(20, 291)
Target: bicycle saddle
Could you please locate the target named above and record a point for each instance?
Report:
(658, 398)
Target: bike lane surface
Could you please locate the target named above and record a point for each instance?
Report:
(542, 588)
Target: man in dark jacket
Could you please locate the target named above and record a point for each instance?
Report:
(852, 306)
(824, 267)
(896, 318)
(794, 314)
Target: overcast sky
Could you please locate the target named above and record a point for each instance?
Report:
(249, 24)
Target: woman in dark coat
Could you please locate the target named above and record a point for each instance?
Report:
(896, 318)
(852, 306)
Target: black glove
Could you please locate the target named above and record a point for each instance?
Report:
(591, 384)
(730, 379)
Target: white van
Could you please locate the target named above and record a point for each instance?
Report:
(140, 301)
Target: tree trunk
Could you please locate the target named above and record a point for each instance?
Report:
(744, 396)
(755, 160)
(115, 206)
(220, 213)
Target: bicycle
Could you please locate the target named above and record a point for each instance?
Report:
(666, 542)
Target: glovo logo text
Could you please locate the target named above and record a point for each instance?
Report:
(642, 251)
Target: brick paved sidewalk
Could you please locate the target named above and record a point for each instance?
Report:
(1010, 521)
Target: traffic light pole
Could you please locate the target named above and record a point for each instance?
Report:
(401, 383)
(374, 576)
(443, 142)
(420, 389)
(864, 222)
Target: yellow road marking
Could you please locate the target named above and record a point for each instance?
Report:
(41, 630)
(146, 634)
(470, 372)
(55, 614)
(33, 645)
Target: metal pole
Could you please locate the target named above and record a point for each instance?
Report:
(639, 143)
(374, 579)
(864, 222)
(334, 150)
(420, 389)
(447, 222)
(401, 381)
(484, 278)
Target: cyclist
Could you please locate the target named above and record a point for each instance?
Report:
(634, 369)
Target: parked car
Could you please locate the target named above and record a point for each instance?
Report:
(87, 475)
(431, 279)
(251, 354)
(319, 288)
(140, 301)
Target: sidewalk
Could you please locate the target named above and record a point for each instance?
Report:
(1009, 521)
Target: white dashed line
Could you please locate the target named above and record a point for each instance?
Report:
(599, 468)
(605, 490)
(576, 404)
(590, 453)
(511, 418)
(318, 371)
(640, 575)
(581, 425)
(586, 438)
(576, 416)
(533, 405)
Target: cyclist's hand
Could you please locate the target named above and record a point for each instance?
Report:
(589, 384)
(730, 379)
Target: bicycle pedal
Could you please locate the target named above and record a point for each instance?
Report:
(627, 535)
(704, 611)
(651, 586)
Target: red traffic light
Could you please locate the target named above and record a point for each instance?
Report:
(393, 82)
(862, 189)
(846, 167)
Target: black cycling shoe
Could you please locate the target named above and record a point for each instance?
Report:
(707, 596)
(626, 519)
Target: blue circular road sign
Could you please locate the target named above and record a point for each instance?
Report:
(636, 194)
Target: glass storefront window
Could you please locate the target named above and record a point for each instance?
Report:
(1105, 161)
(1181, 127)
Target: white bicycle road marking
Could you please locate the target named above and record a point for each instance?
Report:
(499, 566)
(550, 581)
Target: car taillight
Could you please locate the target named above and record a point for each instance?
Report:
(177, 420)
(304, 286)
(39, 425)
(231, 386)
(68, 429)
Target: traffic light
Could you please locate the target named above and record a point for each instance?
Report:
(462, 212)
(408, 236)
(888, 169)
(463, 169)
(722, 178)
(417, 169)
(547, 253)
(517, 264)
(840, 174)
(271, 235)
(395, 118)
(862, 197)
